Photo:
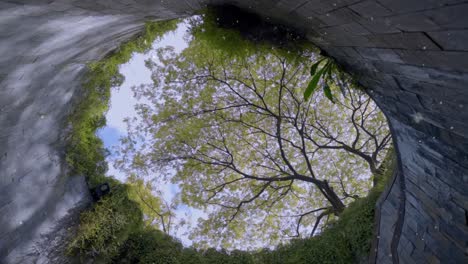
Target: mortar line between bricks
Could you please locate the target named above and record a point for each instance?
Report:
(299, 6)
(433, 41)
(421, 10)
(395, 242)
(384, 6)
(385, 195)
(342, 7)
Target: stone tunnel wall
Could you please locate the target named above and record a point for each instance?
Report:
(411, 55)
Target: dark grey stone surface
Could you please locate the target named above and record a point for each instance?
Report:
(411, 55)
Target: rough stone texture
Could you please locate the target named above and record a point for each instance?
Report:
(410, 54)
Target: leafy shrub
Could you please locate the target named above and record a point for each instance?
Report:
(114, 232)
(346, 240)
(103, 229)
(107, 225)
(149, 246)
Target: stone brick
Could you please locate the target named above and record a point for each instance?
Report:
(388, 55)
(338, 17)
(324, 6)
(451, 17)
(409, 98)
(456, 211)
(455, 233)
(456, 40)
(354, 28)
(414, 22)
(413, 201)
(368, 53)
(290, 5)
(435, 93)
(350, 52)
(458, 199)
(404, 6)
(409, 41)
(405, 257)
(438, 245)
(446, 60)
(370, 9)
(411, 223)
(379, 25)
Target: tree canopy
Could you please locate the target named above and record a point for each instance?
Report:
(237, 135)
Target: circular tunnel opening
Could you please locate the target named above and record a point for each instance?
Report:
(235, 137)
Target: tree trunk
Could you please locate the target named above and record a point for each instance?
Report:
(330, 194)
(378, 174)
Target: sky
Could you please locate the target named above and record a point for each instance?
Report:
(122, 105)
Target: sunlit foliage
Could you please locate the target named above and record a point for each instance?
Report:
(103, 229)
(85, 151)
(245, 146)
(191, 114)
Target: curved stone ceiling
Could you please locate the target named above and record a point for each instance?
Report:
(411, 55)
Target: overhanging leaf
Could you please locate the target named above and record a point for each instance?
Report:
(313, 68)
(328, 93)
(313, 83)
(329, 72)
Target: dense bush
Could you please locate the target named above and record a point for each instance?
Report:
(107, 226)
(114, 233)
(150, 246)
(346, 240)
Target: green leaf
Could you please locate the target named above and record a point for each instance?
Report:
(313, 68)
(313, 83)
(327, 92)
(330, 70)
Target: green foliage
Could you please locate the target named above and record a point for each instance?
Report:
(314, 67)
(325, 73)
(214, 119)
(149, 246)
(227, 40)
(328, 93)
(347, 240)
(312, 86)
(156, 210)
(113, 231)
(106, 226)
(153, 246)
(85, 151)
(233, 44)
(331, 75)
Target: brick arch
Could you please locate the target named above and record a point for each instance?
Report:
(411, 55)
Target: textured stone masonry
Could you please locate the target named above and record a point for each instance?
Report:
(411, 55)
